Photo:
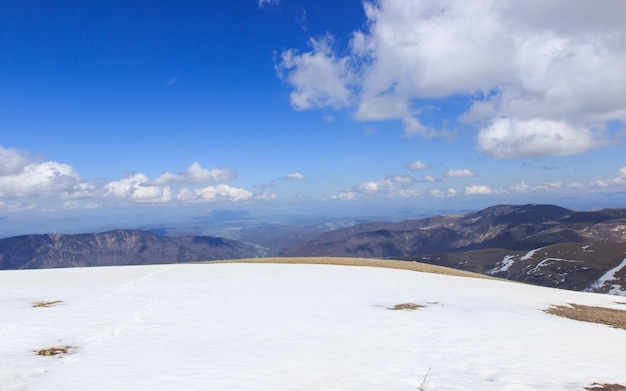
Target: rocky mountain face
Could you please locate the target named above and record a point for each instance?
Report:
(119, 247)
(539, 244)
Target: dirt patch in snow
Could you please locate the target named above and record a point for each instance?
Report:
(43, 304)
(54, 351)
(606, 387)
(586, 313)
(406, 265)
(406, 307)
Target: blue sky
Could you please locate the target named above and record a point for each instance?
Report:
(386, 108)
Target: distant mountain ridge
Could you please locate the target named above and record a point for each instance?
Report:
(577, 248)
(539, 244)
(118, 247)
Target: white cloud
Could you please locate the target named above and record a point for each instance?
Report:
(513, 138)
(460, 173)
(214, 194)
(443, 193)
(137, 188)
(389, 183)
(555, 61)
(265, 196)
(478, 190)
(619, 180)
(196, 174)
(45, 179)
(295, 176)
(429, 179)
(405, 193)
(416, 165)
(318, 77)
(345, 195)
(12, 161)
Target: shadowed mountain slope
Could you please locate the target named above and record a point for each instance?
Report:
(119, 247)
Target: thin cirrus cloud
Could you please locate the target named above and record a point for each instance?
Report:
(268, 3)
(520, 70)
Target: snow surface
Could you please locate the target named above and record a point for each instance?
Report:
(295, 327)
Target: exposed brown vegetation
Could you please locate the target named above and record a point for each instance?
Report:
(605, 387)
(406, 307)
(406, 265)
(608, 316)
(47, 303)
(54, 351)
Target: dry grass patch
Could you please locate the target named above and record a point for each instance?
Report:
(406, 307)
(54, 351)
(344, 261)
(606, 387)
(586, 313)
(39, 304)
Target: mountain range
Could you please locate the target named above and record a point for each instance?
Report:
(539, 244)
(118, 247)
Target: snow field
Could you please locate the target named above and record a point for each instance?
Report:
(295, 327)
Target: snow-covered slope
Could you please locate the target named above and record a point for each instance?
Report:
(295, 327)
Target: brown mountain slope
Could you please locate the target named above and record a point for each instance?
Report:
(488, 240)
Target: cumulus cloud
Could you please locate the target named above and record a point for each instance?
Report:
(392, 182)
(213, 194)
(459, 173)
(295, 176)
(345, 195)
(416, 165)
(12, 161)
(393, 186)
(319, 78)
(21, 177)
(439, 193)
(519, 63)
(513, 138)
(137, 188)
(620, 179)
(196, 174)
(478, 190)
(429, 179)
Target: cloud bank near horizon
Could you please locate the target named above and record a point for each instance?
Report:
(23, 178)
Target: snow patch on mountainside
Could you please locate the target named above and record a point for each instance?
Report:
(549, 261)
(610, 279)
(505, 264)
(530, 254)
